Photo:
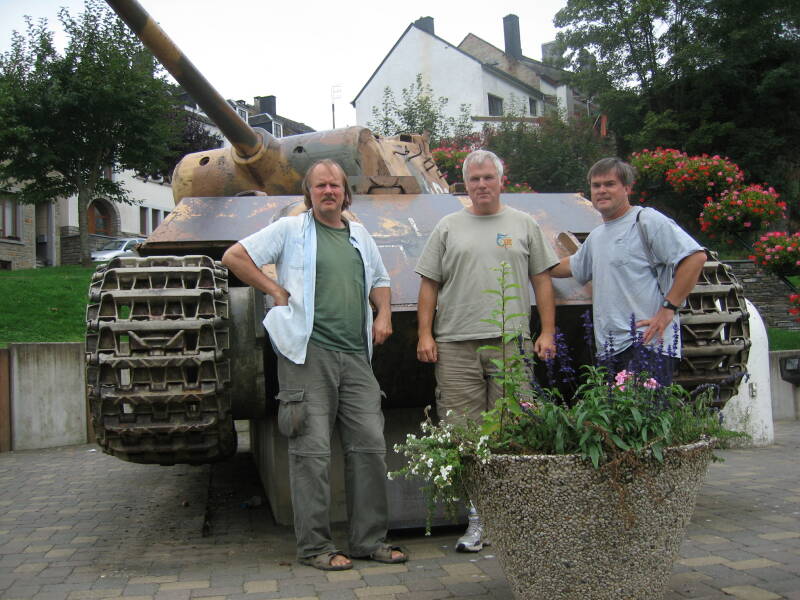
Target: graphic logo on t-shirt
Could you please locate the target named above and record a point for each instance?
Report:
(504, 240)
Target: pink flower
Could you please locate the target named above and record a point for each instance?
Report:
(621, 378)
(651, 384)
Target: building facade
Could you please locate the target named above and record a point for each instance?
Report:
(46, 235)
(493, 82)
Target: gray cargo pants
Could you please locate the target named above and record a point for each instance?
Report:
(334, 389)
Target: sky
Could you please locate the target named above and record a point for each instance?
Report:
(301, 51)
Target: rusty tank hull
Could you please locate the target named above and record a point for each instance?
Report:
(132, 296)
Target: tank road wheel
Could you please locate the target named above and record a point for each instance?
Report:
(157, 372)
(715, 332)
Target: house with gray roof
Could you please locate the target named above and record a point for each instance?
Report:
(490, 80)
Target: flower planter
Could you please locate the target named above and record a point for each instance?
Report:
(561, 530)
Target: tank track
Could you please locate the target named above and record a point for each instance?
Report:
(157, 371)
(715, 332)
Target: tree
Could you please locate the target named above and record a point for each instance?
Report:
(713, 76)
(419, 111)
(69, 116)
(195, 137)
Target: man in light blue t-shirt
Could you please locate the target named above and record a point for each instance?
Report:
(642, 266)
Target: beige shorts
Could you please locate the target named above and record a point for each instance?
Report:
(465, 379)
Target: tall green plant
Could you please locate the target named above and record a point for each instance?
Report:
(419, 110)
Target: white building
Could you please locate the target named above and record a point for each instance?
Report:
(491, 81)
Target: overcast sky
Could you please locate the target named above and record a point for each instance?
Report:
(299, 50)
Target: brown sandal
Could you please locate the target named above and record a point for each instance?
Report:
(383, 554)
(323, 562)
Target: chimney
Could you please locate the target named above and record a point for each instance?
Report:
(425, 23)
(550, 52)
(266, 104)
(511, 33)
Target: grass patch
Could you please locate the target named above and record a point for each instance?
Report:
(49, 305)
(44, 305)
(783, 339)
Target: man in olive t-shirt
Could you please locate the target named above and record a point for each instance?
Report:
(328, 271)
(456, 265)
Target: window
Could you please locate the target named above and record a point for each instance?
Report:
(277, 129)
(156, 219)
(495, 106)
(533, 107)
(142, 220)
(99, 218)
(242, 112)
(9, 218)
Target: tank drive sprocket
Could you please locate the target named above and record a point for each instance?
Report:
(715, 332)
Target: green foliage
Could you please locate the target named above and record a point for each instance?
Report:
(552, 155)
(450, 160)
(419, 111)
(737, 211)
(435, 457)
(44, 305)
(66, 117)
(195, 137)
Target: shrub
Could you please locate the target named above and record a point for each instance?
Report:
(651, 171)
(778, 252)
(704, 175)
(450, 159)
(741, 210)
(794, 300)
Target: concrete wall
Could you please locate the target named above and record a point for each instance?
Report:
(48, 405)
(785, 396)
(44, 402)
(21, 253)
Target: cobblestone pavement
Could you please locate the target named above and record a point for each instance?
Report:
(76, 524)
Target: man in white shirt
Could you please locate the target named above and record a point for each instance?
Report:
(329, 270)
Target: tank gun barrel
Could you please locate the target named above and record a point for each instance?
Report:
(244, 138)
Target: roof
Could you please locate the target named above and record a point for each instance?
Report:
(492, 69)
(552, 75)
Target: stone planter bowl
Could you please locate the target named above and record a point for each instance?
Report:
(561, 530)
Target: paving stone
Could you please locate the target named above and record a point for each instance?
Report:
(336, 595)
(381, 590)
(749, 592)
(268, 585)
(743, 537)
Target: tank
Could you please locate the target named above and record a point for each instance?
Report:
(175, 349)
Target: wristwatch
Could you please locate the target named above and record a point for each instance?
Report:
(667, 304)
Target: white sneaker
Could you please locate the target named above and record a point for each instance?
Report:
(472, 540)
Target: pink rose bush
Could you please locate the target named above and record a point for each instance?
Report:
(748, 209)
(778, 252)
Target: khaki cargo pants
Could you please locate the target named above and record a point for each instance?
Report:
(334, 389)
(465, 379)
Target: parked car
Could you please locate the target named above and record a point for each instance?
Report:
(114, 248)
